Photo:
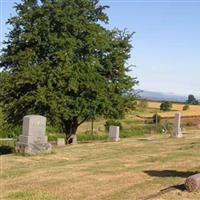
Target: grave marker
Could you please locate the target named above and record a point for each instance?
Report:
(177, 126)
(33, 139)
(114, 133)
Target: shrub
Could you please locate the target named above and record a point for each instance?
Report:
(156, 118)
(165, 106)
(167, 126)
(143, 103)
(112, 122)
(189, 124)
(55, 136)
(186, 107)
(10, 132)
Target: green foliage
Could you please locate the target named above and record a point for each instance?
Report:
(143, 103)
(112, 122)
(165, 127)
(136, 131)
(156, 118)
(189, 124)
(55, 136)
(53, 129)
(186, 107)
(59, 61)
(9, 131)
(165, 106)
(192, 100)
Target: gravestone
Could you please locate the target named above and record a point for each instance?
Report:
(177, 126)
(33, 139)
(113, 133)
(60, 142)
(74, 140)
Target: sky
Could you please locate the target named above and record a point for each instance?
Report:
(166, 43)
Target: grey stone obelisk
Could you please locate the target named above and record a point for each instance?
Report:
(177, 126)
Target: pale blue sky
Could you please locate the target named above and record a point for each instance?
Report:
(166, 43)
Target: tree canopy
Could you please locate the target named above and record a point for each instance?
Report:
(165, 106)
(192, 100)
(60, 61)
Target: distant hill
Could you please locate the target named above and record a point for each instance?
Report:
(160, 96)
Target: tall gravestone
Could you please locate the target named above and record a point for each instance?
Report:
(113, 133)
(33, 139)
(177, 126)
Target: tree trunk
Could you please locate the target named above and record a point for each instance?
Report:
(70, 127)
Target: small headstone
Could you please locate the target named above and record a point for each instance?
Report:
(113, 133)
(33, 140)
(177, 126)
(74, 140)
(60, 142)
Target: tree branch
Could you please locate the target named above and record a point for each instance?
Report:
(83, 120)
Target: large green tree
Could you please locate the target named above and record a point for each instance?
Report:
(61, 62)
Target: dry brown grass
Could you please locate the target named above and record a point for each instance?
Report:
(194, 110)
(128, 170)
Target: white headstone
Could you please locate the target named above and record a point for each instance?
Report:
(177, 126)
(114, 133)
(74, 139)
(33, 138)
(60, 142)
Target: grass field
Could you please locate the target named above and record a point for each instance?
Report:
(131, 169)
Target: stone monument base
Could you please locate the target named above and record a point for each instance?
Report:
(113, 139)
(33, 148)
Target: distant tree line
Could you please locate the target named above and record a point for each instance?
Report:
(192, 100)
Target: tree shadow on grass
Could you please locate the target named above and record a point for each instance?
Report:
(6, 150)
(169, 173)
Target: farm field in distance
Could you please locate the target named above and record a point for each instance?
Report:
(194, 110)
(133, 120)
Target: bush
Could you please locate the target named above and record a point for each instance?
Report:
(10, 132)
(112, 122)
(189, 124)
(167, 126)
(165, 106)
(55, 136)
(143, 103)
(186, 107)
(53, 129)
(156, 118)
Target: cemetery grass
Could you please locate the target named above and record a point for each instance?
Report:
(130, 169)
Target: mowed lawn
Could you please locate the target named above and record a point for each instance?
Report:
(130, 169)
